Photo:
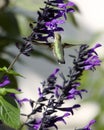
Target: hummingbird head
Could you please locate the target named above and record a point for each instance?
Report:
(57, 36)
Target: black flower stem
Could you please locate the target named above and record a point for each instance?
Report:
(13, 62)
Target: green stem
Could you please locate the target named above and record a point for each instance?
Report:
(13, 62)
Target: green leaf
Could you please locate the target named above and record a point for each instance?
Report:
(13, 84)
(4, 91)
(9, 114)
(3, 69)
(9, 23)
(11, 72)
(11, 90)
(10, 31)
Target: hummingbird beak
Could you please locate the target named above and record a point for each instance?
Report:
(61, 61)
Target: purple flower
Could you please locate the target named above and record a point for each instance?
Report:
(25, 48)
(93, 49)
(73, 92)
(87, 59)
(49, 19)
(54, 73)
(65, 9)
(61, 118)
(23, 100)
(65, 5)
(20, 101)
(89, 125)
(76, 84)
(40, 93)
(5, 81)
(52, 79)
(69, 109)
(59, 1)
(92, 59)
(49, 121)
(91, 62)
(53, 25)
(37, 124)
(57, 90)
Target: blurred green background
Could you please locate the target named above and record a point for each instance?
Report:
(15, 16)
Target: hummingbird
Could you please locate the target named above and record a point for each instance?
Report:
(57, 47)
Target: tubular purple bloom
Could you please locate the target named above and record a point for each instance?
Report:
(93, 49)
(55, 72)
(49, 19)
(69, 109)
(70, 3)
(23, 100)
(25, 48)
(65, 9)
(71, 10)
(40, 93)
(37, 124)
(52, 79)
(57, 92)
(53, 25)
(61, 118)
(5, 81)
(20, 101)
(74, 92)
(89, 125)
(76, 84)
(51, 120)
(65, 5)
(87, 60)
(91, 62)
(59, 1)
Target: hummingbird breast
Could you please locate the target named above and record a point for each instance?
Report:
(58, 51)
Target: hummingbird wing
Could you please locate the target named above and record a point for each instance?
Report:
(68, 45)
(42, 44)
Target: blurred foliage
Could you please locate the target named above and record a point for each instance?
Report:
(94, 83)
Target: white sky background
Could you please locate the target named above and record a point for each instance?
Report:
(92, 19)
(92, 14)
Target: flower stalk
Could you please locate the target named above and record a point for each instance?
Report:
(13, 62)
